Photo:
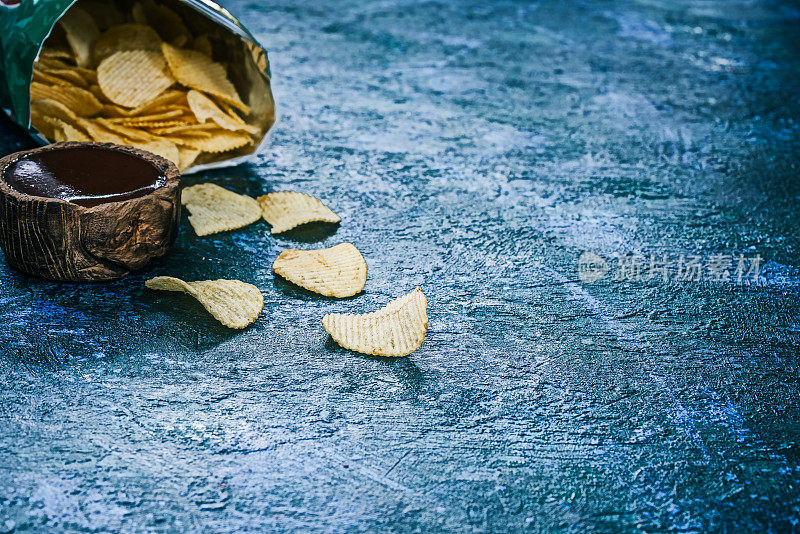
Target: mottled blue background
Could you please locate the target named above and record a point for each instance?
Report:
(475, 149)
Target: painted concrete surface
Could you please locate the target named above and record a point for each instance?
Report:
(476, 149)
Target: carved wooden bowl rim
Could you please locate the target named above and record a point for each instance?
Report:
(166, 167)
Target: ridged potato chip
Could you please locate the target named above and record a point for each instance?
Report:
(338, 271)
(46, 107)
(134, 77)
(122, 37)
(187, 157)
(204, 108)
(196, 70)
(81, 32)
(64, 131)
(215, 209)
(79, 100)
(99, 133)
(285, 210)
(233, 303)
(161, 147)
(397, 329)
(217, 140)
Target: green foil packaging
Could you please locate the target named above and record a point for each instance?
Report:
(24, 27)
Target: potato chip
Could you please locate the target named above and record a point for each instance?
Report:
(215, 209)
(133, 77)
(397, 329)
(64, 131)
(55, 52)
(59, 77)
(81, 32)
(45, 107)
(233, 303)
(131, 134)
(285, 210)
(154, 117)
(204, 108)
(196, 70)
(339, 271)
(122, 37)
(99, 133)
(163, 148)
(166, 22)
(217, 141)
(187, 157)
(79, 100)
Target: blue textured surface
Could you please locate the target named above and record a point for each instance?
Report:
(475, 149)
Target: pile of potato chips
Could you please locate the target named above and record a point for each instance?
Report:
(138, 79)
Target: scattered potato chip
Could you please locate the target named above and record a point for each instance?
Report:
(133, 77)
(215, 209)
(79, 100)
(81, 31)
(122, 37)
(196, 70)
(339, 271)
(397, 329)
(285, 210)
(233, 303)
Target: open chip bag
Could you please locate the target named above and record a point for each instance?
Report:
(180, 78)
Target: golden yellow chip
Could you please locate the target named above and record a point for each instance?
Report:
(59, 77)
(133, 77)
(64, 131)
(204, 108)
(285, 210)
(130, 36)
(233, 303)
(99, 133)
(153, 117)
(131, 134)
(81, 32)
(45, 107)
(79, 100)
(187, 157)
(397, 329)
(163, 148)
(53, 52)
(196, 70)
(338, 271)
(216, 140)
(215, 209)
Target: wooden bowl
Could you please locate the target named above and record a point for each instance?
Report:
(61, 240)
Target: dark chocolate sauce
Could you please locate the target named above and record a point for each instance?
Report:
(84, 175)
